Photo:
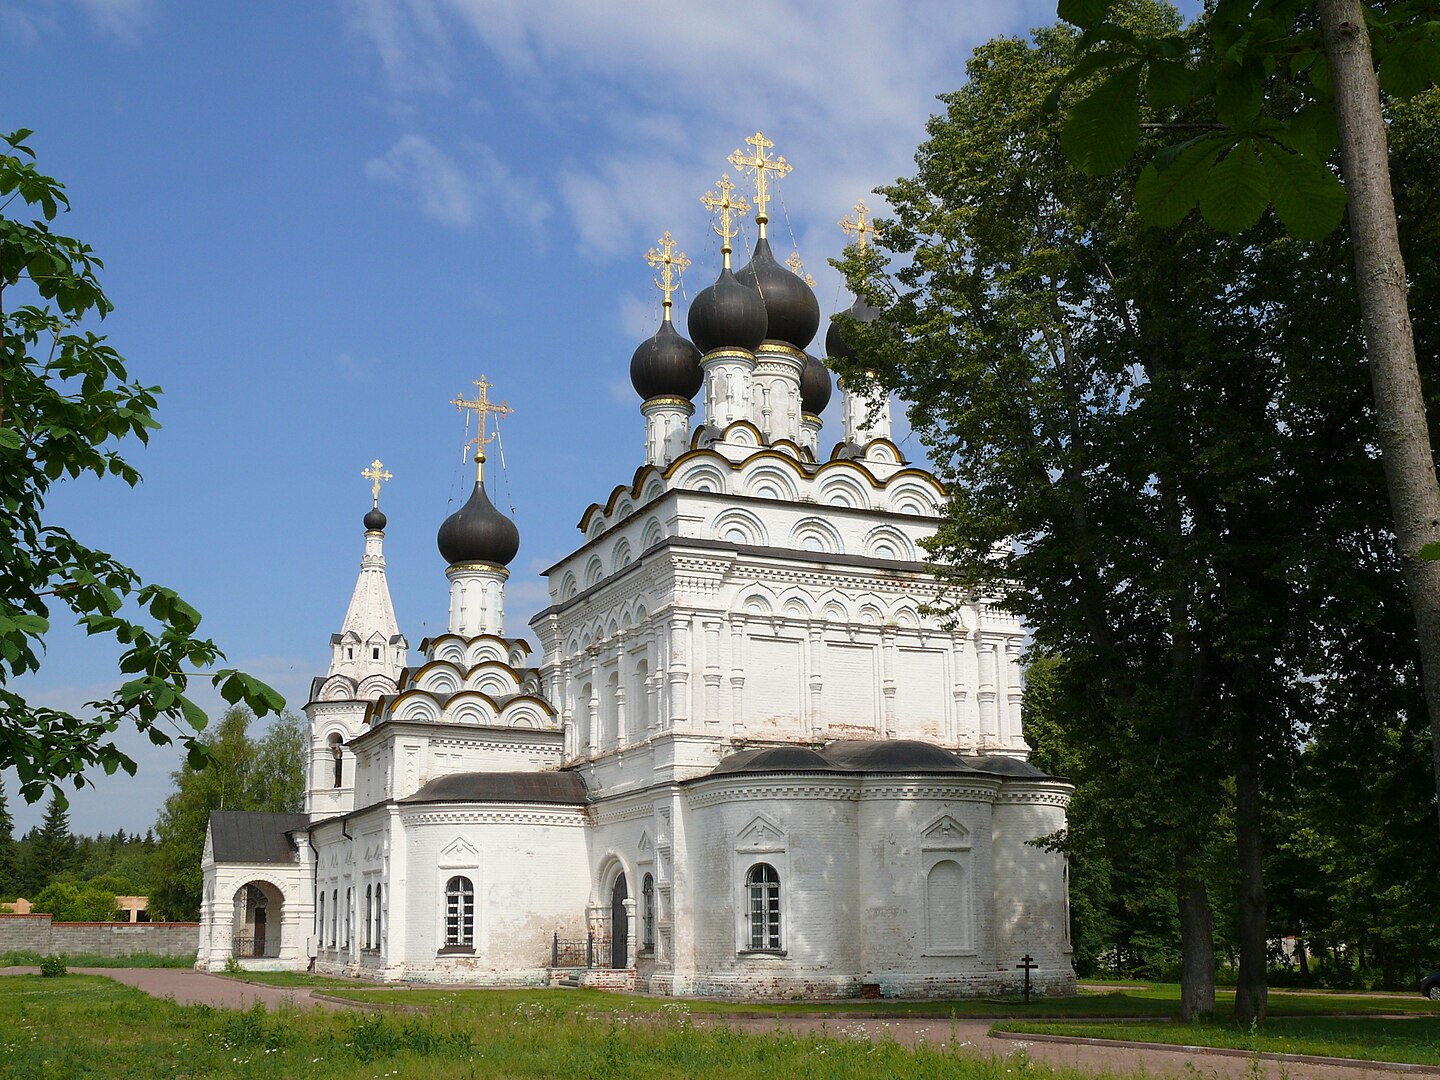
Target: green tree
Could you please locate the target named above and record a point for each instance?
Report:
(51, 850)
(1149, 441)
(66, 402)
(7, 846)
(1293, 80)
(241, 774)
(69, 902)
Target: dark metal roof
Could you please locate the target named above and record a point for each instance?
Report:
(254, 836)
(565, 788)
(872, 756)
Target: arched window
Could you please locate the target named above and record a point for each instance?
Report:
(369, 916)
(337, 753)
(639, 703)
(349, 907)
(762, 885)
(947, 908)
(320, 919)
(459, 913)
(647, 913)
(334, 916)
(379, 907)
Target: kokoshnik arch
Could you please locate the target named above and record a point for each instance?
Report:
(748, 762)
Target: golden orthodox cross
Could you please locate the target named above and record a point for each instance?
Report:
(858, 225)
(761, 166)
(483, 408)
(725, 205)
(670, 265)
(798, 269)
(378, 473)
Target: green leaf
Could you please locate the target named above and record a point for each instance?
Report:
(1083, 13)
(1411, 64)
(1309, 198)
(1430, 551)
(231, 688)
(1165, 195)
(31, 624)
(1236, 190)
(1103, 128)
(1239, 92)
(194, 715)
(1168, 84)
(9, 438)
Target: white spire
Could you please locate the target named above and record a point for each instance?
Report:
(370, 642)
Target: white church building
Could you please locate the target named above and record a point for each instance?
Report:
(747, 762)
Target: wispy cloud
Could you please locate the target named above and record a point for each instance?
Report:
(843, 86)
(452, 191)
(121, 19)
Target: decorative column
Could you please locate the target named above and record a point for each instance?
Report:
(866, 414)
(728, 375)
(667, 429)
(776, 390)
(887, 685)
(960, 731)
(592, 734)
(712, 672)
(817, 679)
(632, 943)
(810, 425)
(622, 733)
(989, 723)
(1014, 694)
(737, 673)
(679, 674)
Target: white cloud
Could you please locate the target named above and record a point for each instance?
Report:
(121, 19)
(454, 191)
(844, 89)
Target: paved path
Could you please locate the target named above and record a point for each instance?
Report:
(190, 987)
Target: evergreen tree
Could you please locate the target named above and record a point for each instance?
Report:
(7, 846)
(52, 851)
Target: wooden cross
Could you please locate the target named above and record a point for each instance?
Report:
(798, 269)
(670, 265)
(482, 406)
(760, 165)
(725, 205)
(378, 473)
(858, 225)
(1027, 962)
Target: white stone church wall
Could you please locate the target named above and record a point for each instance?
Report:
(1031, 885)
(530, 871)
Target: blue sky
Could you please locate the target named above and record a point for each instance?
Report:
(321, 221)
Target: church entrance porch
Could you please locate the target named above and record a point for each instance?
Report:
(255, 926)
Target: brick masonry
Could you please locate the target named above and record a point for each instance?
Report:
(41, 934)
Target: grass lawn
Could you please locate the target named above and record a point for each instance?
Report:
(132, 960)
(1158, 1001)
(89, 1026)
(1414, 1040)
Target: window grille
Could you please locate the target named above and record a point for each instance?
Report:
(334, 916)
(647, 912)
(762, 884)
(349, 907)
(460, 912)
(369, 916)
(378, 909)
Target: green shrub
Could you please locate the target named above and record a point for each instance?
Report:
(52, 967)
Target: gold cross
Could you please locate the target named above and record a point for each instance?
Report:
(482, 406)
(862, 229)
(378, 473)
(725, 204)
(798, 269)
(670, 265)
(760, 165)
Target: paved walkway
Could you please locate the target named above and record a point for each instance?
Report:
(190, 987)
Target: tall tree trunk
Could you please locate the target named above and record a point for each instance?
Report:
(1389, 337)
(1303, 960)
(1197, 939)
(1250, 987)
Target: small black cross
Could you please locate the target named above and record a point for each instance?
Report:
(1027, 962)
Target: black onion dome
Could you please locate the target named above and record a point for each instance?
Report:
(478, 533)
(666, 366)
(790, 305)
(815, 386)
(835, 344)
(375, 520)
(727, 314)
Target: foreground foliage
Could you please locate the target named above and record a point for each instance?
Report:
(1412, 1040)
(66, 404)
(84, 1027)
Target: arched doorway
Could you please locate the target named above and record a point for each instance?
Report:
(255, 928)
(619, 924)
